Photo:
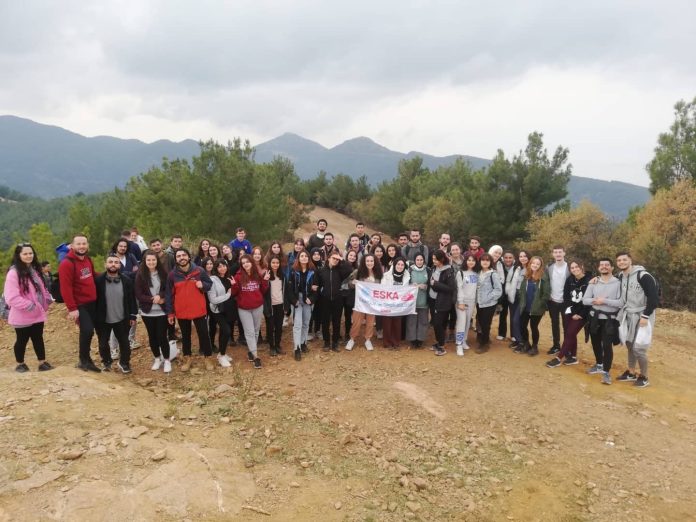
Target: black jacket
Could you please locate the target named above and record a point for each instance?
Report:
(446, 289)
(329, 280)
(293, 287)
(573, 290)
(267, 307)
(130, 306)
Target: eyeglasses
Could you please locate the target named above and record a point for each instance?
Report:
(22, 245)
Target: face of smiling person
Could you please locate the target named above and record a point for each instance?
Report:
(182, 258)
(122, 247)
(151, 262)
(26, 255)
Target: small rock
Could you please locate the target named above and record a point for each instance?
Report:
(413, 506)
(272, 450)
(304, 464)
(420, 483)
(222, 388)
(160, 455)
(71, 454)
(338, 505)
(225, 420)
(294, 485)
(134, 433)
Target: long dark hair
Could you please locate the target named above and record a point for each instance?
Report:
(143, 272)
(297, 267)
(24, 271)
(390, 259)
(270, 255)
(245, 278)
(279, 274)
(363, 271)
(203, 253)
(114, 247)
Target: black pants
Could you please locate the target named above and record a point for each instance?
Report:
(86, 321)
(452, 317)
(602, 345)
(439, 320)
(533, 322)
(156, 327)
(201, 325)
(502, 318)
(315, 321)
(348, 305)
(485, 316)
(234, 314)
(274, 325)
(331, 313)
(225, 324)
(556, 313)
(212, 326)
(120, 330)
(35, 333)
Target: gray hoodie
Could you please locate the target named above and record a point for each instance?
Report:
(489, 289)
(636, 300)
(610, 290)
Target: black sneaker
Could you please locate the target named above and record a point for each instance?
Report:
(521, 348)
(641, 382)
(304, 348)
(257, 363)
(107, 366)
(570, 361)
(534, 350)
(553, 363)
(250, 356)
(553, 350)
(627, 376)
(45, 366)
(440, 351)
(124, 367)
(273, 351)
(334, 347)
(88, 366)
(298, 354)
(434, 347)
(22, 368)
(326, 347)
(513, 345)
(279, 350)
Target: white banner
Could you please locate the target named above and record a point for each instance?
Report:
(388, 300)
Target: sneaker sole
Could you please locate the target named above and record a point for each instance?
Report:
(570, 363)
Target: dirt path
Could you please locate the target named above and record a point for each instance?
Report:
(354, 436)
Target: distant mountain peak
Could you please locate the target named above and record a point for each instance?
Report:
(361, 145)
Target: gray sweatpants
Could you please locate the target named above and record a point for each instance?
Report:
(251, 322)
(637, 353)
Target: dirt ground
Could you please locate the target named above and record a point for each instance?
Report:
(353, 436)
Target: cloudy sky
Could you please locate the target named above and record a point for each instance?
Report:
(443, 77)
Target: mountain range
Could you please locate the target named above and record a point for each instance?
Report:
(48, 161)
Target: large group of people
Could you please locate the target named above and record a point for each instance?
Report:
(227, 291)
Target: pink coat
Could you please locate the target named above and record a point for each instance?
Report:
(25, 308)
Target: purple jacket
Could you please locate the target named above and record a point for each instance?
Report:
(25, 308)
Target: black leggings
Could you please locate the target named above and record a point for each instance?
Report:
(348, 314)
(602, 345)
(439, 321)
(156, 327)
(485, 317)
(225, 324)
(533, 321)
(274, 326)
(201, 330)
(35, 333)
(86, 321)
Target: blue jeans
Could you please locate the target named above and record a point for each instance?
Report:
(302, 313)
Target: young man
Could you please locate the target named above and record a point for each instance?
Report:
(508, 268)
(316, 240)
(375, 239)
(76, 275)
(444, 243)
(187, 286)
(640, 296)
(415, 247)
(156, 247)
(138, 239)
(557, 272)
(133, 247)
(175, 243)
(116, 311)
(362, 236)
(240, 241)
(328, 282)
(604, 295)
(355, 245)
(474, 248)
(46, 274)
(402, 240)
(329, 247)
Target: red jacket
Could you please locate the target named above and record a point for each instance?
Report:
(183, 299)
(249, 296)
(76, 278)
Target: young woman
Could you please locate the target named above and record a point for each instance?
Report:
(442, 293)
(489, 290)
(348, 292)
(129, 264)
(301, 298)
(533, 297)
(467, 284)
(379, 251)
(315, 320)
(207, 264)
(227, 254)
(391, 253)
(369, 270)
(511, 288)
(213, 252)
(298, 246)
(203, 247)
(417, 325)
(249, 287)
(397, 275)
(575, 314)
(28, 299)
(220, 300)
(274, 304)
(232, 269)
(150, 283)
(275, 250)
(257, 256)
(456, 259)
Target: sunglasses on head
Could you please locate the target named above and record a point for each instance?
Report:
(22, 245)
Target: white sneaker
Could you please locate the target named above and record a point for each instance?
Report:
(223, 361)
(285, 321)
(156, 364)
(379, 334)
(368, 346)
(167, 366)
(499, 337)
(460, 350)
(173, 350)
(465, 346)
(350, 344)
(229, 359)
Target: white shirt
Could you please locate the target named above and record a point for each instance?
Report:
(558, 279)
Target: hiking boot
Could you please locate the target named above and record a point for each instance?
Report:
(208, 363)
(167, 366)
(534, 350)
(298, 354)
(553, 363)
(186, 366)
(460, 350)
(45, 366)
(641, 382)
(156, 364)
(350, 344)
(553, 350)
(124, 367)
(606, 378)
(368, 346)
(439, 351)
(257, 363)
(250, 356)
(570, 361)
(597, 368)
(22, 368)
(627, 376)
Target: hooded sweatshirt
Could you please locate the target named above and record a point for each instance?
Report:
(610, 290)
(77, 281)
(640, 297)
